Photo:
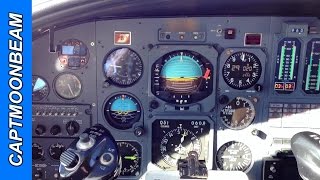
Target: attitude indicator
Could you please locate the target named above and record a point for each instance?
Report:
(287, 63)
(311, 76)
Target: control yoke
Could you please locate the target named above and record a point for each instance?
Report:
(306, 149)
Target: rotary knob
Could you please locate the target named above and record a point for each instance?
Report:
(56, 150)
(37, 151)
(40, 129)
(55, 130)
(72, 127)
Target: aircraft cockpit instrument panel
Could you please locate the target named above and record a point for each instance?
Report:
(233, 90)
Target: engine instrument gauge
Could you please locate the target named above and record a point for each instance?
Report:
(37, 151)
(68, 86)
(238, 114)
(73, 54)
(182, 77)
(287, 64)
(122, 111)
(123, 67)
(40, 88)
(174, 139)
(311, 77)
(55, 150)
(234, 156)
(242, 70)
(130, 153)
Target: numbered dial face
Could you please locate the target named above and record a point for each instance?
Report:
(234, 156)
(73, 54)
(68, 86)
(182, 77)
(242, 70)
(40, 88)
(55, 150)
(123, 67)
(130, 153)
(238, 114)
(122, 111)
(37, 151)
(174, 139)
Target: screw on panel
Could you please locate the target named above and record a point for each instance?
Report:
(88, 111)
(138, 131)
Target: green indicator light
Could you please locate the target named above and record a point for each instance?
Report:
(318, 80)
(293, 57)
(283, 49)
(308, 75)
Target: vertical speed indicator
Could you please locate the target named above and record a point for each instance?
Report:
(311, 77)
(287, 64)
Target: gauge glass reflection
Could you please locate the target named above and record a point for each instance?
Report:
(122, 111)
(68, 86)
(123, 67)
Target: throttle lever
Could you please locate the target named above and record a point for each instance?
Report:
(94, 155)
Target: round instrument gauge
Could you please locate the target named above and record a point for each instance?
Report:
(173, 140)
(123, 67)
(234, 156)
(122, 111)
(40, 88)
(238, 114)
(242, 70)
(73, 54)
(130, 153)
(182, 77)
(68, 86)
(177, 143)
(37, 151)
(55, 150)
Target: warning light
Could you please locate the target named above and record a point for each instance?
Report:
(122, 38)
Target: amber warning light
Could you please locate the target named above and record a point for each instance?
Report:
(122, 38)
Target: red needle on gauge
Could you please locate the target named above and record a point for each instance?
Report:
(206, 74)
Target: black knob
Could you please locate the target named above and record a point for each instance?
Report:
(223, 99)
(154, 104)
(37, 175)
(72, 127)
(56, 129)
(258, 87)
(40, 129)
(56, 150)
(69, 159)
(37, 151)
(138, 131)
